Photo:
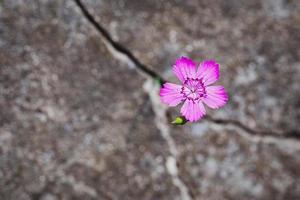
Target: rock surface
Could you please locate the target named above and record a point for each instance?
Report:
(76, 123)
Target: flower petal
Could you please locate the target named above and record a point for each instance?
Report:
(208, 71)
(193, 111)
(170, 94)
(216, 97)
(183, 68)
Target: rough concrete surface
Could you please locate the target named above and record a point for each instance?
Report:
(78, 123)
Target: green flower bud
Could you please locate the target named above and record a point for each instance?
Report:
(179, 120)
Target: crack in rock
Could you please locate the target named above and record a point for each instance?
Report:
(256, 136)
(119, 51)
(270, 133)
(287, 144)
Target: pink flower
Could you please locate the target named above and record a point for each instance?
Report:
(195, 88)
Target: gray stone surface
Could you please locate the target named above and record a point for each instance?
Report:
(259, 53)
(76, 123)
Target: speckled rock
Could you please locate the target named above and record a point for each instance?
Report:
(75, 122)
(224, 162)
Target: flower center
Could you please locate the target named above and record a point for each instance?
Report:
(193, 89)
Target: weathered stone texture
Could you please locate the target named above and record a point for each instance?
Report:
(75, 122)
